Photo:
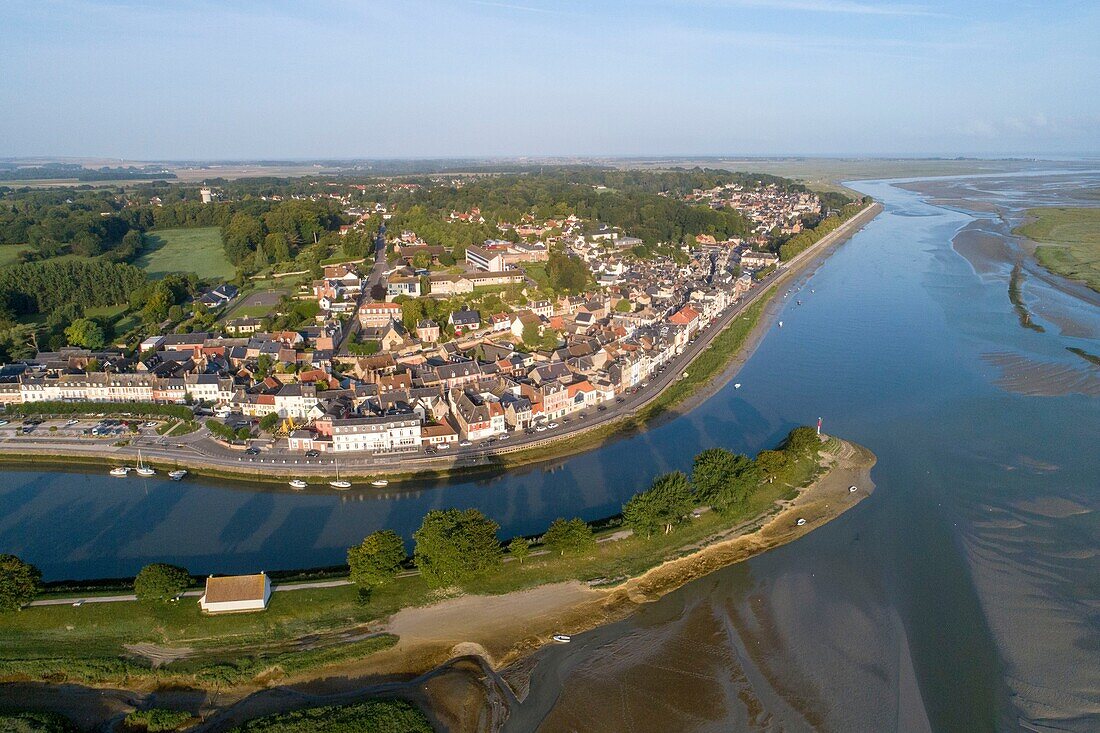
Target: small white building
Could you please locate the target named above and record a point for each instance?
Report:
(236, 593)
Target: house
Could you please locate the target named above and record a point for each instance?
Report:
(219, 296)
(427, 331)
(236, 593)
(378, 314)
(754, 260)
(522, 320)
(464, 321)
(241, 326)
(397, 285)
(444, 284)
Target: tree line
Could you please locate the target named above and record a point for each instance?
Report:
(453, 547)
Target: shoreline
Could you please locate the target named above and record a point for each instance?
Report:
(493, 633)
(646, 414)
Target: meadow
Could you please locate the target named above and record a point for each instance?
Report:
(185, 250)
(1069, 241)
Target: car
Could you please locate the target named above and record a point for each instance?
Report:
(78, 604)
(252, 451)
(151, 424)
(313, 453)
(465, 444)
(565, 419)
(443, 446)
(620, 400)
(490, 441)
(552, 425)
(3, 423)
(540, 429)
(27, 429)
(70, 423)
(583, 416)
(504, 436)
(602, 408)
(430, 451)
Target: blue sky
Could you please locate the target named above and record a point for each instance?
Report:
(192, 79)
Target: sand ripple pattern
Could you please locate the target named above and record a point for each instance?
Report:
(1025, 375)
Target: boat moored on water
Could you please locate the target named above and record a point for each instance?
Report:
(737, 385)
(562, 638)
(142, 469)
(121, 471)
(177, 475)
(380, 482)
(298, 484)
(339, 484)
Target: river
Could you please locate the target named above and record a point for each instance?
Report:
(961, 596)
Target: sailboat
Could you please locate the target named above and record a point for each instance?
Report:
(142, 469)
(338, 484)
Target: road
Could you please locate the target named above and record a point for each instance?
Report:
(200, 451)
(376, 276)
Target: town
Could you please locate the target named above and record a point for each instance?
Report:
(418, 346)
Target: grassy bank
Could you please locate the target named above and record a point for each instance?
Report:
(372, 716)
(1069, 241)
(304, 630)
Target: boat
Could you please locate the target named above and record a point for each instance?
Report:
(380, 482)
(178, 474)
(121, 471)
(338, 483)
(737, 385)
(298, 484)
(853, 489)
(781, 324)
(562, 638)
(800, 521)
(142, 469)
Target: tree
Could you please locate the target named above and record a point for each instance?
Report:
(19, 582)
(573, 536)
(241, 236)
(375, 561)
(802, 441)
(519, 548)
(277, 245)
(269, 422)
(709, 472)
(662, 506)
(161, 582)
(624, 306)
(454, 546)
(421, 260)
(87, 333)
(771, 463)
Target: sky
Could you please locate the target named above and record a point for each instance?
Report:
(245, 79)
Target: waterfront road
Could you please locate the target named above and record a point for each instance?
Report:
(201, 451)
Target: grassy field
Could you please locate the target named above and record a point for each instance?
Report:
(1069, 241)
(186, 250)
(9, 253)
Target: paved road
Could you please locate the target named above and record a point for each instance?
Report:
(376, 277)
(201, 451)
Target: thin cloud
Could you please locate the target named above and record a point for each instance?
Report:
(829, 6)
(512, 6)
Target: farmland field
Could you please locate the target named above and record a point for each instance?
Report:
(185, 250)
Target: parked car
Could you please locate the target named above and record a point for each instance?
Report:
(465, 444)
(251, 451)
(313, 453)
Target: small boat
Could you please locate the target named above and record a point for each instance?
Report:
(737, 385)
(338, 483)
(380, 482)
(178, 474)
(798, 302)
(142, 469)
(781, 324)
(562, 638)
(298, 484)
(121, 471)
(853, 489)
(800, 521)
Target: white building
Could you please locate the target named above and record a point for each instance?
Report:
(236, 593)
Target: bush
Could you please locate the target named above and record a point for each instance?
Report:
(156, 720)
(34, 723)
(375, 561)
(161, 582)
(19, 582)
(221, 430)
(142, 409)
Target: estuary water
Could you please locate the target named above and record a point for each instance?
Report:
(961, 596)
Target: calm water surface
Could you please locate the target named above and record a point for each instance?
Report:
(962, 596)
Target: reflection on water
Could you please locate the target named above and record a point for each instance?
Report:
(961, 596)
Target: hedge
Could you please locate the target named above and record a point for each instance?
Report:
(140, 409)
